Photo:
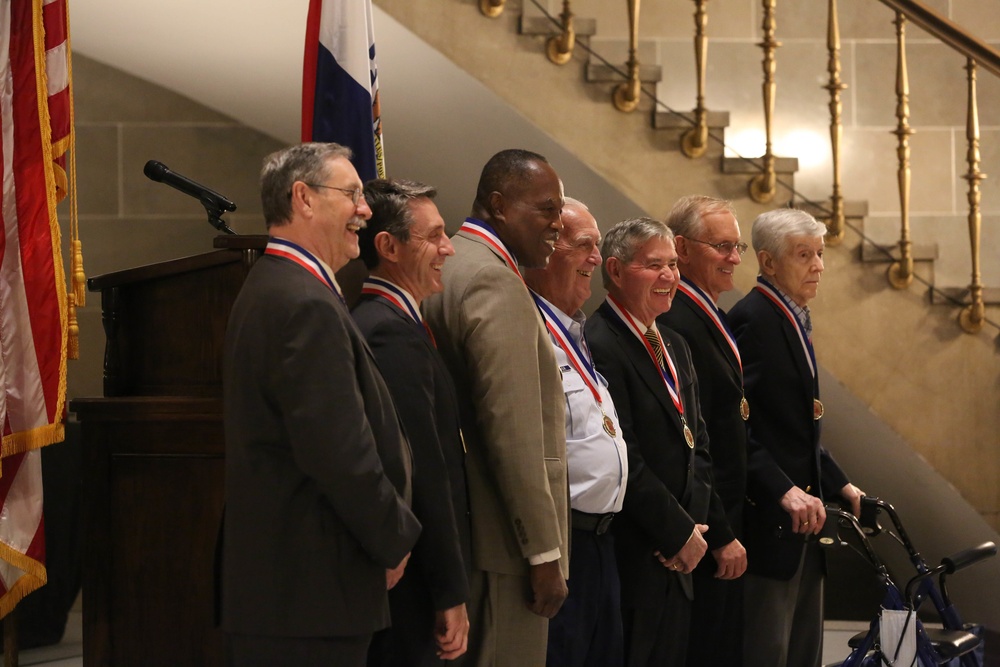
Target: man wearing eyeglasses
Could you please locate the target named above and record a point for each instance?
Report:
(709, 249)
(317, 523)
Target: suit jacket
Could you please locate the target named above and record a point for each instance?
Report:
(783, 438)
(669, 483)
(424, 395)
(314, 458)
(497, 349)
(720, 388)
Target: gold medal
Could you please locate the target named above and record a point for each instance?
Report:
(609, 426)
(817, 409)
(744, 408)
(688, 436)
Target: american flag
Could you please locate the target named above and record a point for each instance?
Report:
(340, 100)
(35, 134)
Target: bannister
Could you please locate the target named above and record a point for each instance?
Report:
(951, 34)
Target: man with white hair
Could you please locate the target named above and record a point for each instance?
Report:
(789, 472)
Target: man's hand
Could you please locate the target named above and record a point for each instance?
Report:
(451, 632)
(548, 589)
(807, 512)
(393, 576)
(690, 554)
(852, 494)
(731, 559)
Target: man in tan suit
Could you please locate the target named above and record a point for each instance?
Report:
(496, 346)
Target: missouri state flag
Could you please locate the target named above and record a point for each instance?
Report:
(35, 134)
(340, 82)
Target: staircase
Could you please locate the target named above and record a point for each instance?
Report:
(900, 353)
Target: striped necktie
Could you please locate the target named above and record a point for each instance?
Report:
(654, 342)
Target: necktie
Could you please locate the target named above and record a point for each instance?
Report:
(654, 342)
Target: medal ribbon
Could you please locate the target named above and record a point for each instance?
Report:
(291, 251)
(781, 302)
(669, 380)
(701, 299)
(581, 362)
(484, 232)
(394, 294)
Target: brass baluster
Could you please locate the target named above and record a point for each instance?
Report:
(694, 142)
(973, 316)
(835, 225)
(491, 8)
(900, 274)
(764, 185)
(626, 95)
(559, 48)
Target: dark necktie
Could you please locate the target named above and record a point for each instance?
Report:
(654, 342)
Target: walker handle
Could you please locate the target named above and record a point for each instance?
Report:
(968, 557)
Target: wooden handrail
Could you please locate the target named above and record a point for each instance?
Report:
(986, 56)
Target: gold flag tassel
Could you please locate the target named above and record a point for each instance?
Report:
(78, 279)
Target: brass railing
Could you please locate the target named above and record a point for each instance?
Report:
(763, 186)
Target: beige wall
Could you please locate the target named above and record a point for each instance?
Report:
(908, 361)
(127, 220)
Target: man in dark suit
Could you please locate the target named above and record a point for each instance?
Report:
(404, 247)
(648, 368)
(707, 238)
(496, 347)
(317, 524)
(789, 472)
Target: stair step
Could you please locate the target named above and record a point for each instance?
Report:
(541, 25)
(921, 252)
(949, 295)
(601, 73)
(853, 210)
(740, 165)
(683, 120)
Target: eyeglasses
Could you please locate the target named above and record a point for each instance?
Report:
(725, 248)
(353, 193)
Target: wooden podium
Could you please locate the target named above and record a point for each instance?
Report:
(153, 455)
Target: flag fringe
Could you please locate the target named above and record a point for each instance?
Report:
(23, 441)
(34, 577)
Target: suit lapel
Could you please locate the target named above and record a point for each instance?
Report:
(718, 338)
(791, 336)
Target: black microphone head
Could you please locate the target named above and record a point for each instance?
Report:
(155, 171)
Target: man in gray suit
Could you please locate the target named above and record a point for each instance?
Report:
(496, 347)
(317, 522)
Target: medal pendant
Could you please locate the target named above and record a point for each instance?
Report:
(744, 408)
(817, 409)
(609, 426)
(688, 436)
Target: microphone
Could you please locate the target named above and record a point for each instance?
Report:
(159, 172)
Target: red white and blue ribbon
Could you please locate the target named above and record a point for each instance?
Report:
(485, 233)
(701, 299)
(669, 378)
(397, 296)
(781, 302)
(580, 360)
(291, 251)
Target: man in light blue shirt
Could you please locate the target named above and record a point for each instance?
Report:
(587, 631)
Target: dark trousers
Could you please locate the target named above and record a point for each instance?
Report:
(657, 636)
(587, 631)
(255, 651)
(410, 640)
(716, 636)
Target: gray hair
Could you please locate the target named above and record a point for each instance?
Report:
(685, 218)
(390, 202)
(624, 239)
(772, 229)
(308, 163)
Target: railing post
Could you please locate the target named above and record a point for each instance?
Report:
(764, 185)
(491, 8)
(559, 48)
(694, 142)
(835, 225)
(900, 274)
(626, 95)
(973, 316)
